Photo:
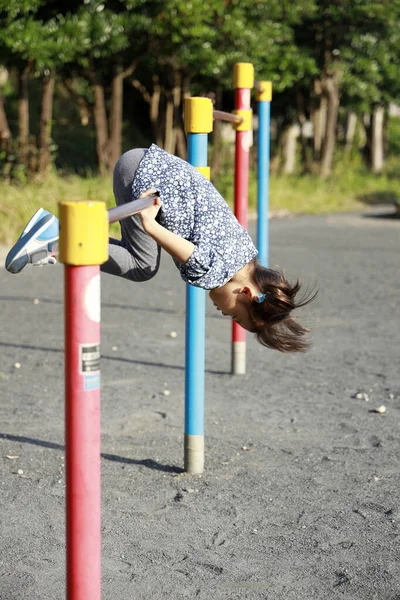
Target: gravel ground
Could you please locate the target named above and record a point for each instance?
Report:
(300, 496)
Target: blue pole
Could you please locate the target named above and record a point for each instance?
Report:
(264, 117)
(195, 343)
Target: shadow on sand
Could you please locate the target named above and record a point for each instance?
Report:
(146, 462)
(132, 361)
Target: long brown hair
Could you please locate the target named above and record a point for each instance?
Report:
(273, 324)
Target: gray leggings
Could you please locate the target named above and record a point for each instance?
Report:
(136, 256)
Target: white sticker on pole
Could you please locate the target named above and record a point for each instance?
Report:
(89, 365)
(89, 355)
(91, 299)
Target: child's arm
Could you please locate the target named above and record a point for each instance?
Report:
(175, 245)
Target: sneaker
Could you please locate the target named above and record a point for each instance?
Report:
(35, 243)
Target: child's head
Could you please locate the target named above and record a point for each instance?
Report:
(268, 314)
(273, 324)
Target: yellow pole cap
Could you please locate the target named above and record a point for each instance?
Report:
(247, 123)
(205, 171)
(198, 115)
(264, 91)
(83, 232)
(243, 76)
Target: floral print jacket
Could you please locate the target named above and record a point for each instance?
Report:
(193, 209)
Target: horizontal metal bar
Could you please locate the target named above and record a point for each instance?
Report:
(220, 115)
(117, 213)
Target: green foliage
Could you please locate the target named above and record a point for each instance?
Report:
(27, 40)
(290, 43)
(104, 33)
(361, 41)
(293, 44)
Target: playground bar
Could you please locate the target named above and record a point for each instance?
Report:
(83, 247)
(243, 83)
(198, 123)
(117, 213)
(220, 115)
(264, 97)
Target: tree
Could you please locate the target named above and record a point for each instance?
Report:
(337, 35)
(370, 82)
(34, 45)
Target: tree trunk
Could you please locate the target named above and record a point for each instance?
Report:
(101, 125)
(169, 123)
(350, 130)
(319, 139)
(365, 137)
(153, 100)
(377, 139)
(181, 142)
(332, 90)
(23, 116)
(116, 117)
(45, 124)
(5, 133)
(301, 113)
(181, 148)
(289, 148)
(178, 137)
(319, 108)
(115, 144)
(85, 109)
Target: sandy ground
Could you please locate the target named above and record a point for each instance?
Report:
(300, 497)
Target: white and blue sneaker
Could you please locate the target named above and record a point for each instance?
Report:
(35, 244)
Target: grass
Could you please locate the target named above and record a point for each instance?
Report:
(349, 189)
(18, 203)
(348, 192)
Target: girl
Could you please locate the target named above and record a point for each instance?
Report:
(192, 222)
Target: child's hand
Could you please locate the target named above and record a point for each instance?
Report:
(148, 215)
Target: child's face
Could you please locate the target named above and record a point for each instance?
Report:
(233, 301)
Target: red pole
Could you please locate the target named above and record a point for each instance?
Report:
(242, 160)
(244, 79)
(83, 247)
(82, 432)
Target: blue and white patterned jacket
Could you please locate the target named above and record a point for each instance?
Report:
(193, 209)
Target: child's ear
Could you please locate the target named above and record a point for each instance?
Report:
(247, 291)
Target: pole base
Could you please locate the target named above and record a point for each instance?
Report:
(194, 453)
(238, 358)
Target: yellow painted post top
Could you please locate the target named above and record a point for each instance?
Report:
(83, 233)
(247, 123)
(205, 171)
(198, 115)
(243, 76)
(264, 91)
